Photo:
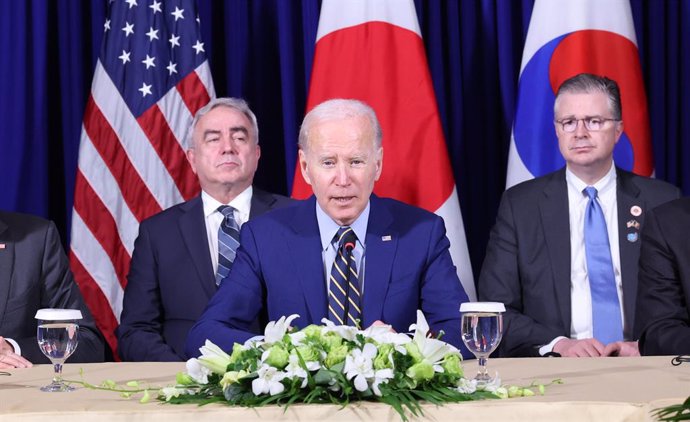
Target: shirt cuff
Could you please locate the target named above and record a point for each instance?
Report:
(549, 347)
(15, 345)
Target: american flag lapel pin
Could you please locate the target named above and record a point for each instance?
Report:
(386, 238)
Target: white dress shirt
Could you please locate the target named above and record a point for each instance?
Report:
(213, 218)
(580, 296)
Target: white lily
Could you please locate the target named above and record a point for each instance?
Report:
(432, 350)
(275, 330)
(345, 331)
(359, 364)
(214, 358)
(295, 370)
(197, 371)
(381, 377)
(269, 381)
(383, 334)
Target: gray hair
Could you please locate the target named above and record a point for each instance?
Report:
(235, 103)
(336, 109)
(587, 83)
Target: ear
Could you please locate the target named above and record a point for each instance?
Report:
(190, 158)
(379, 163)
(619, 130)
(303, 166)
(258, 151)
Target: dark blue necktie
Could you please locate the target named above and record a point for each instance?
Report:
(228, 241)
(343, 290)
(606, 310)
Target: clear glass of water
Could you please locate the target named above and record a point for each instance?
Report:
(58, 336)
(482, 329)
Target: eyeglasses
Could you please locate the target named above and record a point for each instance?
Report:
(592, 124)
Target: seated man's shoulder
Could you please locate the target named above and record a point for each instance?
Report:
(168, 215)
(403, 212)
(21, 223)
(656, 187)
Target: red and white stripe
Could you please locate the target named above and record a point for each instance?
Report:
(129, 169)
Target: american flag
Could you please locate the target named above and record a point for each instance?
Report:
(151, 77)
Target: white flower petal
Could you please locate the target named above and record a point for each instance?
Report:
(361, 383)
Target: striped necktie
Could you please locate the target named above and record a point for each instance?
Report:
(343, 291)
(228, 241)
(606, 311)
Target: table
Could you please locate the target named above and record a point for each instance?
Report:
(597, 389)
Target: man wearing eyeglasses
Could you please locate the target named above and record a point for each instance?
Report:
(563, 253)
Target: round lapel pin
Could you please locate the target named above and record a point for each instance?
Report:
(635, 210)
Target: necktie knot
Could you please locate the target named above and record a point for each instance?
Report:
(226, 210)
(591, 192)
(346, 238)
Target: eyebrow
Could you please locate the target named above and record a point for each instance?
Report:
(233, 130)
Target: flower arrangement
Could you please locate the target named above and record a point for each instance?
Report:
(326, 364)
(333, 364)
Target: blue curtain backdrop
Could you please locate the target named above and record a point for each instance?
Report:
(262, 50)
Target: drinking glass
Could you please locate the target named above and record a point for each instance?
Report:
(58, 336)
(482, 329)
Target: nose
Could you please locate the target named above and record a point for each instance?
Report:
(581, 130)
(342, 177)
(228, 143)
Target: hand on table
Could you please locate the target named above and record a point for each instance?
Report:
(622, 348)
(589, 347)
(9, 359)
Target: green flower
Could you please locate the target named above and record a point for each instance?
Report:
(422, 371)
(451, 365)
(184, 379)
(331, 340)
(413, 352)
(277, 356)
(313, 331)
(232, 377)
(308, 353)
(237, 353)
(383, 359)
(336, 355)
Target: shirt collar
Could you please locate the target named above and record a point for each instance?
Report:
(328, 228)
(242, 203)
(603, 185)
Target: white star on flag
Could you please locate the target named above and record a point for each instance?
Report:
(106, 25)
(145, 89)
(124, 56)
(172, 68)
(148, 61)
(199, 47)
(131, 3)
(174, 41)
(129, 29)
(177, 13)
(155, 6)
(152, 34)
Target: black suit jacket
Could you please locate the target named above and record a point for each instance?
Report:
(171, 280)
(663, 295)
(34, 274)
(527, 263)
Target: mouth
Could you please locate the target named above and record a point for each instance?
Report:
(342, 200)
(227, 164)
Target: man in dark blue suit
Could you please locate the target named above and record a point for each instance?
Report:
(286, 262)
(543, 263)
(175, 265)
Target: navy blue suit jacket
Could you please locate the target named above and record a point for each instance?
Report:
(527, 263)
(279, 270)
(171, 280)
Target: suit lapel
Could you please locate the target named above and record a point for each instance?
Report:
(627, 198)
(379, 261)
(304, 246)
(193, 230)
(6, 267)
(555, 218)
(261, 202)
